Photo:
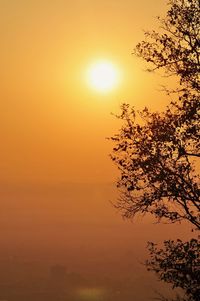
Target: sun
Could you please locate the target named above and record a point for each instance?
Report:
(103, 76)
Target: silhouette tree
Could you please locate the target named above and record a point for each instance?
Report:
(157, 153)
(157, 174)
(157, 157)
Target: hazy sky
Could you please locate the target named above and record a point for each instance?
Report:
(53, 126)
(53, 129)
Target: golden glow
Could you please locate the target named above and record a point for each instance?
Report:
(91, 294)
(103, 76)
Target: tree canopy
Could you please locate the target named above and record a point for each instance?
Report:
(157, 153)
(157, 157)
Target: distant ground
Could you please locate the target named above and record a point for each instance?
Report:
(74, 227)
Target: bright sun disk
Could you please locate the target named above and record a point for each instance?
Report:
(103, 76)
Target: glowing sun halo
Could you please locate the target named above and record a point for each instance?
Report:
(102, 76)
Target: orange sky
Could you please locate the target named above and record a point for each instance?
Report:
(53, 127)
(53, 131)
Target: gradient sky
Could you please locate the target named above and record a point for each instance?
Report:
(53, 126)
(55, 170)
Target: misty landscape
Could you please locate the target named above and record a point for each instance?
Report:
(59, 243)
(100, 148)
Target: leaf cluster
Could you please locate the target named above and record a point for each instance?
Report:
(176, 48)
(177, 263)
(156, 162)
